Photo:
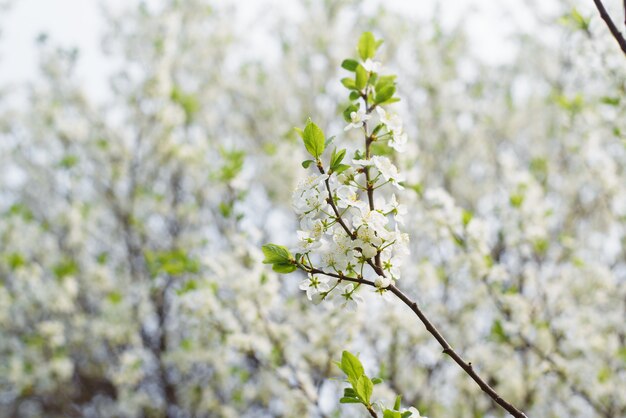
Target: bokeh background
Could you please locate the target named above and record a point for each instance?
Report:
(147, 151)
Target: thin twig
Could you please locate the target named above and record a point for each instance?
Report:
(447, 349)
(609, 22)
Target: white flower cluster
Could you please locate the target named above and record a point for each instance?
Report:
(345, 236)
(392, 130)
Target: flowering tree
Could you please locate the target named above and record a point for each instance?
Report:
(346, 235)
(131, 281)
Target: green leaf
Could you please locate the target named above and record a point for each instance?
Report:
(283, 268)
(232, 164)
(15, 260)
(279, 257)
(349, 64)
(361, 78)
(367, 46)
(174, 263)
(115, 297)
(390, 101)
(384, 89)
(188, 101)
(307, 163)
(351, 366)
(576, 20)
(611, 101)
(406, 414)
(516, 200)
(385, 94)
(604, 374)
(68, 161)
(384, 81)
(398, 402)
(187, 287)
(313, 138)
(467, 217)
(349, 400)
(348, 83)
(354, 95)
(349, 393)
(497, 332)
(377, 380)
(65, 267)
(276, 254)
(341, 168)
(349, 110)
(336, 158)
(388, 413)
(364, 388)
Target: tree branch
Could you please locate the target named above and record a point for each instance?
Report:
(609, 22)
(447, 349)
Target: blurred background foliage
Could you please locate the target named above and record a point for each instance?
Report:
(130, 274)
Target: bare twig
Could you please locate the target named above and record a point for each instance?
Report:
(447, 349)
(609, 22)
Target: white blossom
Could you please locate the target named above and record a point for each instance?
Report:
(357, 119)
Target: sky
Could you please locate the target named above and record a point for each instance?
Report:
(78, 23)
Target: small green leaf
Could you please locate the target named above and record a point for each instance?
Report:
(307, 163)
(68, 161)
(497, 332)
(384, 81)
(336, 158)
(516, 200)
(15, 260)
(341, 168)
(349, 110)
(390, 101)
(314, 140)
(174, 263)
(279, 257)
(367, 46)
(349, 393)
(388, 413)
(604, 374)
(349, 64)
(283, 268)
(188, 101)
(385, 94)
(351, 366)
(349, 400)
(467, 217)
(115, 297)
(361, 78)
(187, 287)
(354, 95)
(611, 101)
(364, 388)
(348, 83)
(406, 414)
(398, 402)
(377, 380)
(232, 164)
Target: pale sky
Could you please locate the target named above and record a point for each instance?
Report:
(79, 23)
